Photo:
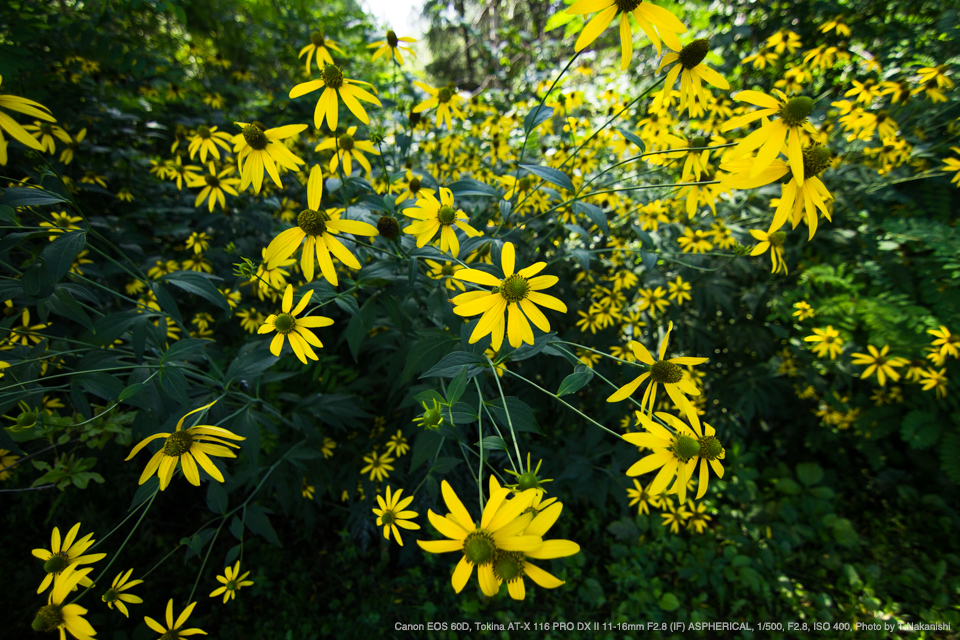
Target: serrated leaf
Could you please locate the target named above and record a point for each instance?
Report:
(551, 175)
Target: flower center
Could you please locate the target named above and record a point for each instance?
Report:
(525, 183)
(231, 585)
(203, 132)
(447, 215)
(332, 76)
(478, 547)
(111, 596)
(447, 269)
(696, 142)
(313, 223)
(317, 39)
(515, 288)
(177, 444)
(528, 480)
(685, 447)
(711, 448)
(388, 517)
(46, 129)
(694, 53)
(48, 618)
(27, 419)
(414, 118)
(777, 239)
(57, 563)
(626, 6)
(255, 137)
(414, 185)
(388, 227)
(508, 565)
(284, 323)
(666, 372)
(432, 418)
(444, 94)
(212, 180)
(392, 39)
(346, 142)
(795, 111)
(816, 158)
(170, 635)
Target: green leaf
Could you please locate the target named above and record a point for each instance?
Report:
(64, 304)
(575, 381)
(669, 602)
(809, 473)
(257, 522)
(537, 116)
(494, 443)
(920, 429)
(216, 498)
(23, 197)
(451, 364)
(198, 284)
(166, 301)
(425, 446)
(551, 175)
(58, 256)
(457, 386)
(632, 138)
(130, 391)
(182, 350)
(521, 415)
(471, 187)
(443, 465)
(595, 213)
(429, 396)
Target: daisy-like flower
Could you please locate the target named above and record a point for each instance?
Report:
(398, 444)
(655, 21)
(317, 229)
(294, 329)
(445, 272)
(500, 529)
(412, 188)
(65, 553)
(188, 447)
(803, 310)
(66, 156)
(45, 133)
(933, 379)
(391, 45)
(948, 344)
(667, 373)
(432, 416)
(7, 459)
(60, 223)
(391, 514)
(698, 517)
(174, 630)
(208, 140)
(828, 342)
(773, 135)
(674, 516)
(880, 363)
(231, 581)
(679, 291)
(642, 497)
(772, 242)
(258, 148)
(512, 302)
(693, 72)
(512, 566)
(654, 299)
(8, 124)
(346, 149)
(214, 185)
(115, 594)
(378, 465)
(56, 616)
(321, 47)
(676, 454)
(445, 99)
(953, 164)
(335, 84)
(434, 215)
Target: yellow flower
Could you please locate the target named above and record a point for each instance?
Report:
(653, 299)
(434, 215)
(412, 188)
(933, 379)
(641, 497)
(679, 290)
(173, 630)
(445, 99)
(8, 124)
(45, 132)
(188, 448)
(398, 444)
(499, 530)
(803, 310)
(334, 84)
(66, 554)
(828, 342)
(7, 460)
(378, 466)
(694, 73)
(207, 140)
(668, 373)
(391, 514)
(947, 342)
(347, 148)
(391, 44)
(516, 296)
(879, 362)
(318, 230)
(62, 221)
(698, 517)
(214, 184)
(259, 149)
(651, 18)
(319, 45)
(676, 454)
(115, 595)
(772, 242)
(296, 330)
(58, 616)
(773, 135)
(231, 581)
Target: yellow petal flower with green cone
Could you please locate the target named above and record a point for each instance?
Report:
(296, 330)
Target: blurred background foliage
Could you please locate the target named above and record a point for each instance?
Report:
(839, 505)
